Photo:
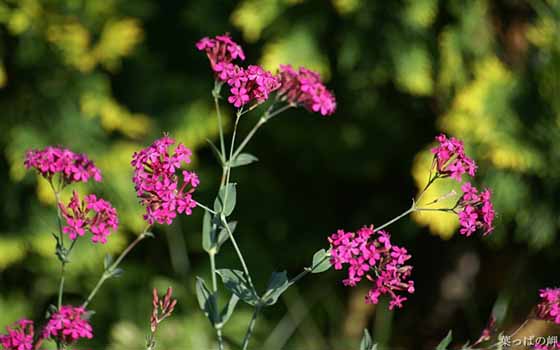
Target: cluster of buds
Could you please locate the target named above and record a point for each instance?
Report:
(162, 308)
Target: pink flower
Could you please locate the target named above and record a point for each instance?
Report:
(92, 214)
(451, 160)
(477, 211)
(247, 84)
(304, 87)
(549, 307)
(72, 167)
(220, 50)
(68, 325)
(161, 191)
(371, 255)
(19, 336)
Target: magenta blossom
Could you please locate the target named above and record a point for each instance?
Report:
(549, 307)
(371, 255)
(304, 87)
(477, 211)
(251, 84)
(68, 325)
(162, 191)
(72, 167)
(450, 158)
(220, 50)
(92, 214)
(19, 337)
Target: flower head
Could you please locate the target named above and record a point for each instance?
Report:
(304, 87)
(68, 325)
(19, 336)
(251, 84)
(477, 211)
(162, 191)
(162, 308)
(450, 158)
(371, 255)
(92, 214)
(72, 167)
(220, 50)
(549, 307)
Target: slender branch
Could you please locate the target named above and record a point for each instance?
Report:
(251, 328)
(110, 270)
(205, 208)
(410, 210)
(238, 251)
(216, 95)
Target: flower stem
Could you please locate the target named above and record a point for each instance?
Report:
(216, 95)
(307, 271)
(251, 328)
(238, 251)
(410, 210)
(205, 208)
(109, 271)
(61, 284)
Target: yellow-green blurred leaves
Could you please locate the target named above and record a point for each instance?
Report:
(481, 111)
(114, 116)
(440, 223)
(198, 123)
(118, 39)
(420, 13)
(452, 66)
(297, 47)
(413, 69)
(18, 16)
(12, 250)
(345, 7)
(253, 16)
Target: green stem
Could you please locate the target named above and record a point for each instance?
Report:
(410, 210)
(109, 271)
(216, 95)
(61, 284)
(251, 328)
(307, 271)
(238, 251)
(205, 208)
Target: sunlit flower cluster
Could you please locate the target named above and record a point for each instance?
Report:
(91, 214)
(304, 87)
(68, 325)
(477, 211)
(19, 336)
(549, 307)
(72, 167)
(160, 189)
(451, 160)
(252, 84)
(371, 255)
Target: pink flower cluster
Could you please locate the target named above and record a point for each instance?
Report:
(68, 325)
(555, 346)
(477, 211)
(71, 166)
(549, 307)
(161, 191)
(220, 50)
(371, 255)
(304, 87)
(247, 84)
(19, 337)
(450, 158)
(92, 214)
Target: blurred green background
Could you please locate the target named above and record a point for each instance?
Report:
(107, 77)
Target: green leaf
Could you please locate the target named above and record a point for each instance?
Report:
(224, 235)
(445, 342)
(227, 207)
(321, 261)
(107, 261)
(243, 159)
(207, 236)
(206, 301)
(216, 152)
(276, 286)
(228, 309)
(235, 282)
(118, 272)
(367, 342)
